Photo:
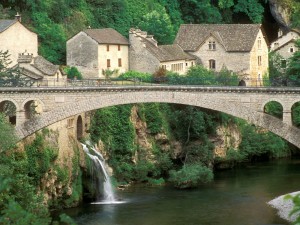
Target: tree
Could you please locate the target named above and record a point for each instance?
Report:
(8, 137)
(199, 11)
(158, 23)
(11, 76)
(73, 73)
(252, 8)
(293, 70)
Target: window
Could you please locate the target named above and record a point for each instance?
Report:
(186, 64)
(259, 43)
(108, 63)
(120, 62)
(107, 48)
(119, 47)
(177, 67)
(259, 60)
(212, 45)
(212, 64)
(283, 63)
(291, 49)
(164, 67)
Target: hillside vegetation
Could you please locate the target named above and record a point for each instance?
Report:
(56, 21)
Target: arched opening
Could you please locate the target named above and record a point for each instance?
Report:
(242, 83)
(32, 109)
(8, 108)
(274, 108)
(79, 128)
(296, 114)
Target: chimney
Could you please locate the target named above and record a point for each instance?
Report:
(18, 17)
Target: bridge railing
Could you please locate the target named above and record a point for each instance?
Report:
(158, 81)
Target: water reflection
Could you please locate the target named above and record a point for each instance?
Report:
(236, 197)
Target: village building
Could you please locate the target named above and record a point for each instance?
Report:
(241, 48)
(284, 45)
(16, 38)
(145, 55)
(93, 51)
(40, 71)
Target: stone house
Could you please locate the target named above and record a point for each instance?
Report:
(95, 50)
(146, 56)
(241, 48)
(284, 45)
(40, 71)
(16, 38)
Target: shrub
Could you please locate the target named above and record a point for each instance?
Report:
(73, 73)
(190, 176)
(136, 76)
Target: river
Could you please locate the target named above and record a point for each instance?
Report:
(236, 197)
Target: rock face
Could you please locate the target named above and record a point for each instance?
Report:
(285, 206)
(281, 12)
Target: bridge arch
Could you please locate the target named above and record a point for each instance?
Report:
(79, 127)
(296, 114)
(274, 108)
(9, 107)
(193, 98)
(32, 107)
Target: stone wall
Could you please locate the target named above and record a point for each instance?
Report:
(113, 55)
(18, 39)
(140, 59)
(242, 102)
(235, 61)
(257, 72)
(82, 52)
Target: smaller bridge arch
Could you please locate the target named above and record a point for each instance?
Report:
(79, 127)
(32, 106)
(9, 108)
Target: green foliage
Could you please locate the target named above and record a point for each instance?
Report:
(199, 11)
(199, 75)
(296, 114)
(256, 143)
(40, 158)
(158, 23)
(113, 126)
(73, 73)
(11, 76)
(277, 70)
(191, 176)
(296, 209)
(136, 76)
(153, 117)
(274, 108)
(252, 8)
(293, 70)
(8, 137)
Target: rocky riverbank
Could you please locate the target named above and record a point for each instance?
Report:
(284, 206)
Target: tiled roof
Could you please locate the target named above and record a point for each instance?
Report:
(107, 36)
(4, 24)
(234, 37)
(166, 53)
(44, 65)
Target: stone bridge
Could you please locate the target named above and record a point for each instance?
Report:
(58, 103)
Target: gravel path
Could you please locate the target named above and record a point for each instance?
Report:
(284, 206)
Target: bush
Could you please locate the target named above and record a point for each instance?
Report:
(73, 73)
(190, 176)
(137, 76)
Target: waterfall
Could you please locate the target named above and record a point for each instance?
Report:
(103, 179)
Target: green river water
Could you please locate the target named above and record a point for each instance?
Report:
(236, 197)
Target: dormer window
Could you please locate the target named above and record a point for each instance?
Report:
(212, 45)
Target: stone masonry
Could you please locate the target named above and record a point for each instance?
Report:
(243, 102)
